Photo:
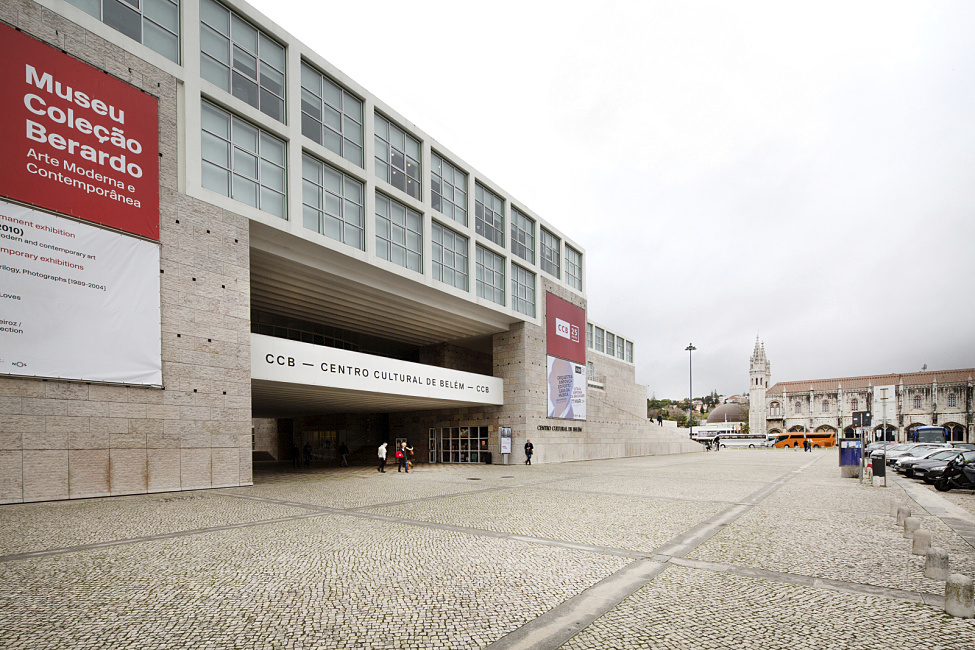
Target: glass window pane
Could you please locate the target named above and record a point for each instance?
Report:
(216, 121)
(272, 149)
(163, 13)
(214, 44)
(331, 93)
(216, 16)
(272, 105)
(245, 89)
(352, 153)
(216, 179)
(332, 140)
(311, 80)
(272, 52)
(272, 176)
(245, 190)
(311, 219)
(245, 135)
(216, 150)
(243, 34)
(123, 18)
(245, 163)
(159, 40)
(272, 202)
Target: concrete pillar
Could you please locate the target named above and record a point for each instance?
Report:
(936, 564)
(922, 542)
(894, 505)
(958, 596)
(903, 512)
(911, 524)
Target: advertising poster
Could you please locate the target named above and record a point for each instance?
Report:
(77, 301)
(75, 140)
(566, 389)
(566, 344)
(505, 435)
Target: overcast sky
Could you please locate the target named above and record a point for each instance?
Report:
(804, 172)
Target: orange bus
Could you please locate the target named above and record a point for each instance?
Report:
(795, 438)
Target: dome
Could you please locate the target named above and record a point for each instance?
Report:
(727, 413)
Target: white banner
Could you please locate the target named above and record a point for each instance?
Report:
(76, 301)
(283, 360)
(566, 389)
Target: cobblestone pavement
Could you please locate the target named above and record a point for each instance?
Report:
(739, 549)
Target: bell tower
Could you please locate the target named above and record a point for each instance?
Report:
(759, 373)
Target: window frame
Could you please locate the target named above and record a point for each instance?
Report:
(439, 164)
(437, 250)
(527, 239)
(551, 263)
(315, 105)
(573, 279)
(344, 199)
(385, 156)
(490, 231)
(517, 301)
(481, 272)
(263, 63)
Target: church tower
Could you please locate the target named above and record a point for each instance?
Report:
(759, 372)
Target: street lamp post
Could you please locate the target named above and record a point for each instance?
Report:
(690, 378)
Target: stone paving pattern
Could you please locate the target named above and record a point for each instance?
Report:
(461, 556)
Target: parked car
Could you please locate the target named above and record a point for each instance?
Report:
(930, 471)
(907, 449)
(874, 446)
(906, 464)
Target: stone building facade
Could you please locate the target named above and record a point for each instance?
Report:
(898, 402)
(356, 249)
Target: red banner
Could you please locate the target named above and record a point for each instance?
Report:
(76, 140)
(565, 329)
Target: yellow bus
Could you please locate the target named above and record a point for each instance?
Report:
(795, 438)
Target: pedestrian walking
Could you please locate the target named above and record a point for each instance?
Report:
(660, 420)
(409, 458)
(295, 456)
(529, 450)
(401, 455)
(717, 443)
(344, 452)
(382, 458)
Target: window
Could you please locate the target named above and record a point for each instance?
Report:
(449, 252)
(449, 190)
(573, 267)
(490, 275)
(610, 343)
(629, 351)
(775, 409)
(488, 214)
(620, 348)
(332, 202)
(399, 233)
(825, 405)
(154, 23)
(331, 115)
(951, 400)
(241, 59)
(589, 335)
(798, 408)
(522, 290)
(549, 247)
(397, 157)
(917, 401)
(854, 404)
(463, 444)
(243, 162)
(600, 334)
(522, 235)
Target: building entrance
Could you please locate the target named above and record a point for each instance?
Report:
(458, 444)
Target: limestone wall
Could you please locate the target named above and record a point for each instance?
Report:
(61, 440)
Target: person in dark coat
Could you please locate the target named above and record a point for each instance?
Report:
(529, 450)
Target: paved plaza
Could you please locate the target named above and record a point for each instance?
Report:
(737, 549)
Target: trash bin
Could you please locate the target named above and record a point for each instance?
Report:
(879, 465)
(486, 455)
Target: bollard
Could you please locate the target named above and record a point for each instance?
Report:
(895, 505)
(903, 513)
(911, 524)
(922, 542)
(936, 563)
(958, 596)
